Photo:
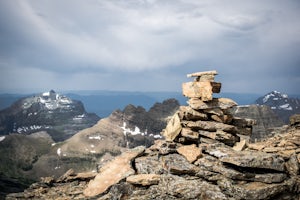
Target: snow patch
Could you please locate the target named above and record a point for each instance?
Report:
(46, 94)
(136, 130)
(98, 137)
(2, 138)
(286, 107)
(266, 98)
(93, 151)
(30, 128)
(53, 144)
(78, 117)
(243, 106)
(58, 151)
(157, 136)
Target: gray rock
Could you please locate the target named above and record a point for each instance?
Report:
(209, 126)
(292, 165)
(249, 159)
(254, 190)
(187, 113)
(148, 165)
(222, 136)
(211, 164)
(177, 164)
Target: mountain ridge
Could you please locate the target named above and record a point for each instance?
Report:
(57, 114)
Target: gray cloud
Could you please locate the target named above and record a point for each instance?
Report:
(139, 45)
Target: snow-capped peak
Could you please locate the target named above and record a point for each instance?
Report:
(278, 101)
(51, 100)
(274, 96)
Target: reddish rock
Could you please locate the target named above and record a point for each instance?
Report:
(190, 152)
(173, 128)
(112, 172)
(144, 179)
(222, 103)
(190, 134)
(202, 90)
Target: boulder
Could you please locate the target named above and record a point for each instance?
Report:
(243, 122)
(202, 90)
(173, 128)
(223, 103)
(254, 190)
(187, 113)
(177, 164)
(249, 159)
(209, 126)
(222, 136)
(189, 134)
(210, 164)
(148, 165)
(239, 146)
(112, 172)
(190, 188)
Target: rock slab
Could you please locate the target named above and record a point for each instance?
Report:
(113, 172)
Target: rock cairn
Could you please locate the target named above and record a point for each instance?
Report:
(206, 119)
(202, 157)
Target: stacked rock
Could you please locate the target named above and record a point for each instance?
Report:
(206, 119)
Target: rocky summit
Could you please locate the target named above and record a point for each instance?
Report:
(206, 155)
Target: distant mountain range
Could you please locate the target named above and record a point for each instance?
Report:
(103, 103)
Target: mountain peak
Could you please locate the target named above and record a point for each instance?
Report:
(49, 101)
(281, 103)
(47, 111)
(274, 96)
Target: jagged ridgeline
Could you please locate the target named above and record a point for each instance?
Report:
(205, 155)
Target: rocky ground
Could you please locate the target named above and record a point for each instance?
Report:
(170, 170)
(206, 154)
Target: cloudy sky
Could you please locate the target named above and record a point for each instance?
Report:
(149, 45)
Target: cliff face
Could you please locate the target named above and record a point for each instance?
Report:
(266, 119)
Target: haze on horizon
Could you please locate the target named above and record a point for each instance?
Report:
(149, 45)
